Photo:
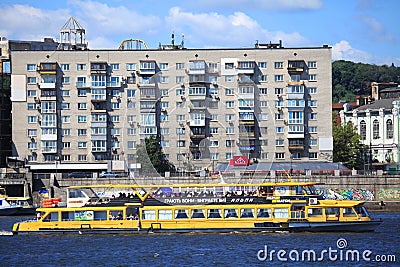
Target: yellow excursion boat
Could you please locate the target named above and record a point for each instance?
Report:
(267, 207)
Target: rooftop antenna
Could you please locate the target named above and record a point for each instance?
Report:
(183, 41)
(173, 38)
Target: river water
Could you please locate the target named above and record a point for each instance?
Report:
(204, 249)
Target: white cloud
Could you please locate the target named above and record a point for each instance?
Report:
(258, 4)
(376, 31)
(22, 22)
(344, 51)
(216, 30)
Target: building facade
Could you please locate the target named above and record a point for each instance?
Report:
(378, 125)
(84, 109)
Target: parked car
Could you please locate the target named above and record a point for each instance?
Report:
(109, 174)
(79, 175)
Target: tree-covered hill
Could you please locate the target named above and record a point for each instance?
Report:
(350, 79)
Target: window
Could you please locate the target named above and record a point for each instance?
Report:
(312, 116)
(81, 92)
(64, 66)
(389, 129)
(65, 80)
(131, 144)
(82, 118)
(115, 105)
(180, 92)
(262, 65)
(32, 119)
(280, 155)
(31, 67)
(279, 142)
(312, 90)
(213, 130)
(363, 130)
(164, 79)
(230, 130)
(65, 106)
(278, 78)
(263, 91)
(313, 142)
(131, 66)
(32, 93)
(375, 129)
(163, 66)
(312, 129)
(278, 65)
(115, 118)
(32, 132)
(278, 91)
(80, 66)
(214, 143)
(180, 79)
(229, 143)
(213, 117)
(229, 66)
(31, 80)
(31, 106)
(229, 91)
(82, 157)
(229, 104)
(263, 104)
(131, 131)
(82, 144)
(229, 117)
(278, 116)
(180, 66)
(312, 77)
(81, 105)
(312, 64)
(229, 78)
(82, 132)
(263, 78)
(66, 144)
(66, 119)
(114, 66)
(313, 155)
(279, 129)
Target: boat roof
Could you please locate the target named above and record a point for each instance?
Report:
(288, 183)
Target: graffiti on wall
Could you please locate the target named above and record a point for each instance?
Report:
(348, 194)
(388, 194)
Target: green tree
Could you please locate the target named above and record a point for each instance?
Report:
(347, 146)
(149, 154)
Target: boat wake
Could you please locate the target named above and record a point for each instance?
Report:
(5, 232)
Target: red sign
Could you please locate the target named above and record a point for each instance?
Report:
(239, 161)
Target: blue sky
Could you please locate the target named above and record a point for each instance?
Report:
(358, 30)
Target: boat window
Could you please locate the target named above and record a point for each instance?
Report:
(308, 190)
(100, 215)
(51, 217)
(348, 212)
(214, 213)
(116, 215)
(246, 213)
(264, 213)
(198, 214)
(148, 215)
(281, 213)
(181, 214)
(282, 191)
(67, 216)
(165, 214)
(231, 213)
(266, 190)
(332, 211)
(297, 211)
(314, 212)
(75, 193)
(298, 190)
(361, 211)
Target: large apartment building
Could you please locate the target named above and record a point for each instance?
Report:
(89, 109)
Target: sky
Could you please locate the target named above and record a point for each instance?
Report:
(365, 31)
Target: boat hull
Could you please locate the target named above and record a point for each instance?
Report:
(17, 211)
(364, 226)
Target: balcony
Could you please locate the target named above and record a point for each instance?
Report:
(82, 85)
(197, 67)
(114, 84)
(47, 68)
(98, 98)
(245, 79)
(246, 67)
(295, 83)
(297, 66)
(49, 150)
(197, 79)
(49, 137)
(296, 147)
(147, 67)
(247, 148)
(147, 82)
(98, 67)
(47, 85)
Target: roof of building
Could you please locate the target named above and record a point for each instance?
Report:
(390, 89)
(279, 166)
(381, 103)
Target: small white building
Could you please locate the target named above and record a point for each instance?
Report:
(378, 125)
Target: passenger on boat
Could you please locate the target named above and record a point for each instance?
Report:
(130, 217)
(111, 217)
(119, 216)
